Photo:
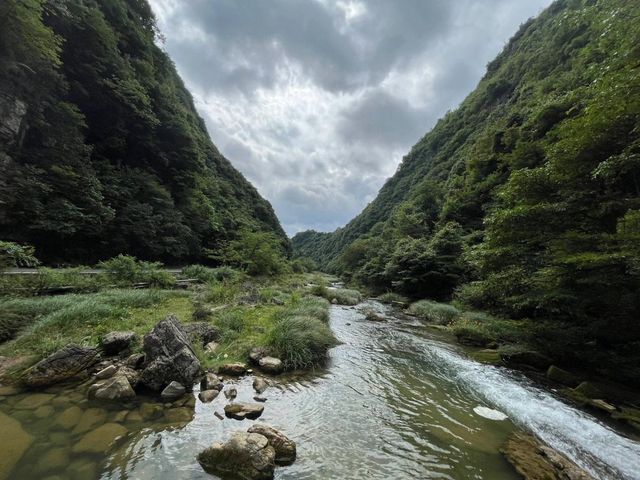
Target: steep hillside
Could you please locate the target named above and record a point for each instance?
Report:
(101, 148)
(526, 199)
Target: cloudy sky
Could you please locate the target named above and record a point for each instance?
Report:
(316, 101)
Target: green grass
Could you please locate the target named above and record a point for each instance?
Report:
(343, 296)
(391, 297)
(50, 323)
(438, 313)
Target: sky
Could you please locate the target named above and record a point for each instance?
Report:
(317, 101)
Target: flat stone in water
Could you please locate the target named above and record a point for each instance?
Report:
(100, 439)
(178, 415)
(33, 401)
(489, 413)
(240, 411)
(70, 417)
(82, 469)
(54, 460)
(90, 418)
(14, 441)
(44, 411)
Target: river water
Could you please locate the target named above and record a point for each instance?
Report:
(396, 401)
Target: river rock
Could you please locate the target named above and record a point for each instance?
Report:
(536, 461)
(172, 392)
(232, 369)
(8, 391)
(257, 353)
(14, 442)
(231, 392)
(33, 401)
(135, 360)
(169, 356)
(149, 411)
(115, 342)
(207, 396)
(245, 455)
(529, 358)
(44, 411)
(240, 411)
(271, 365)
(178, 415)
(211, 382)
(211, 347)
(588, 390)
(63, 365)
(260, 384)
(472, 338)
(54, 460)
(284, 447)
(373, 316)
(106, 372)
(100, 439)
(559, 375)
(68, 418)
(201, 333)
(81, 469)
(116, 389)
(89, 419)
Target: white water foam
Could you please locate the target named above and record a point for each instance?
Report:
(589, 443)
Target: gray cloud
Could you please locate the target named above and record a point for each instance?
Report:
(316, 101)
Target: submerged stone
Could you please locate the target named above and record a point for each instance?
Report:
(14, 442)
(70, 417)
(240, 411)
(100, 439)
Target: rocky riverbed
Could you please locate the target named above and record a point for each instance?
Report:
(396, 400)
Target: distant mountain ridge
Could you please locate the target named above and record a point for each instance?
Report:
(525, 200)
(101, 148)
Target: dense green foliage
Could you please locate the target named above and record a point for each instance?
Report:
(101, 149)
(14, 255)
(526, 199)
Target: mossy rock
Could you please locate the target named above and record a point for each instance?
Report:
(490, 357)
(559, 375)
(474, 338)
(588, 390)
(628, 415)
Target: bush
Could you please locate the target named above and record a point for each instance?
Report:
(391, 297)
(301, 342)
(50, 278)
(15, 255)
(125, 270)
(343, 296)
(211, 275)
(315, 307)
(303, 265)
(438, 313)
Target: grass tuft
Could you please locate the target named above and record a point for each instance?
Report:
(438, 313)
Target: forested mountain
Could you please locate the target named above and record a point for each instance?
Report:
(525, 200)
(101, 148)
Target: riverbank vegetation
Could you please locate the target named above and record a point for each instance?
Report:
(524, 201)
(278, 312)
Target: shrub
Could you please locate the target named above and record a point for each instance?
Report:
(438, 313)
(315, 307)
(343, 296)
(303, 265)
(301, 342)
(199, 272)
(15, 255)
(125, 270)
(391, 297)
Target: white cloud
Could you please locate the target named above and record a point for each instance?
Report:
(316, 102)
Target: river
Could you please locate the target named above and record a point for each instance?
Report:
(396, 400)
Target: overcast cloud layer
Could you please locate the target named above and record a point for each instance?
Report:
(316, 101)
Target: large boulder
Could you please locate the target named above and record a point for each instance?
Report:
(66, 364)
(284, 447)
(115, 389)
(536, 461)
(172, 392)
(169, 356)
(271, 365)
(240, 411)
(201, 333)
(115, 342)
(246, 456)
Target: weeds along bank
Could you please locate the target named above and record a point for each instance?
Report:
(277, 313)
